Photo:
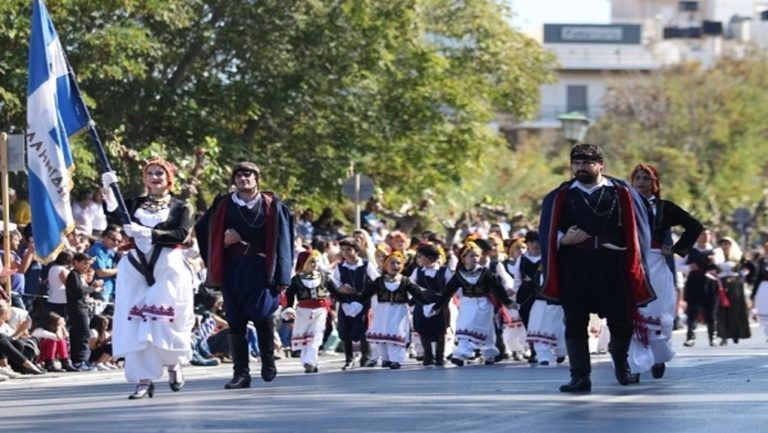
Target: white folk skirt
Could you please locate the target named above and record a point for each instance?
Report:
(153, 324)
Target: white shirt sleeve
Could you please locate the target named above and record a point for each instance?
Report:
(336, 277)
(413, 275)
(506, 280)
(373, 273)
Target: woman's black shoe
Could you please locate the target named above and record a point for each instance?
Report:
(386, 364)
(657, 371)
(577, 384)
(173, 380)
(51, 367)
(143, 390)
(394, 366)
(309, 368)
(239, 381)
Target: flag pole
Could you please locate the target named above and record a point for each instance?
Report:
(6, 209)
(101, 153)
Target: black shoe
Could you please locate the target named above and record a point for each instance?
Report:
(689, 342)
(560, 359)
(458, 362)
(439, 363)
(723, 342)
(371, 363)
(268, 371)
(176, 379)
(386, 364)
(51, 367)
(394, 366)
(347, 365)
(544, 363)
(533, 360)
(427, 362)
(309, 368)
(143, 390)
(634, 378)
(239, 381)
(577, 384)
(66, 364)
(516, 356)
(490, 361)
(657, 371)
(623, 375)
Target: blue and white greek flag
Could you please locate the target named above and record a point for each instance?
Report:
(55, 112)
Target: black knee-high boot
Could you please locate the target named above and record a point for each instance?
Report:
(619, 349)
(440, 351)
(578, 356)
(241, 378)
(429, 357)
(365, 352)
(266, 334)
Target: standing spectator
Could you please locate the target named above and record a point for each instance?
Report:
(304, 227)
(595, 229)
(250, 234)
(19, 265)
(80, 286)
(57, 279)
(82, 212)
(104, 253)
(96, 209)
(323, 226)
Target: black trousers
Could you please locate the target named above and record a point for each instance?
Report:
(9, 351)
(79, 334)
(593, 281)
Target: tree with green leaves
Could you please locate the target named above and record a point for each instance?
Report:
(404, 89)
(704, 128)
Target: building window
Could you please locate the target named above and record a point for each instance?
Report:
(688, 6)
(576, 99)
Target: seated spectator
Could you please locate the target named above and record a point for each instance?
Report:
(14, 352)
(52, 335)
(100, 343)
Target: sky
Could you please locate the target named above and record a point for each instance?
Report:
(531, 14)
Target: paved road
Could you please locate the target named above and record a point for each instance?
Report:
(706, 389)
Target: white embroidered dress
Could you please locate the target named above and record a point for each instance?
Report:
(153, 324)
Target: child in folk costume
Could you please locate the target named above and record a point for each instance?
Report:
(477, 286)
(312, 289)
(493, 258)
(350, 278)
(546, 326)
(432, 277)
(391, 328)
(514, 334)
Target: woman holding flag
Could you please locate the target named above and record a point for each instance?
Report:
(154, 297)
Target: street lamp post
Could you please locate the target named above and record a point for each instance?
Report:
(575, 126)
